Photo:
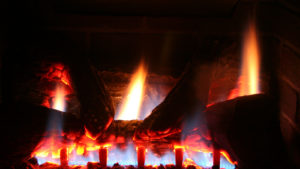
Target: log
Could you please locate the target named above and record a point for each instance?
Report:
(120, 131)
(188, 96)
(24, 125)
(248, 129)
(97, 110)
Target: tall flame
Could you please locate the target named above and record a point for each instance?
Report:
(59, 99)
(131, 109)
(249, 78)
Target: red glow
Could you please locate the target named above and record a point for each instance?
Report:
(58, 75)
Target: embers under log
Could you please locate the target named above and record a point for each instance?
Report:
(247, 128)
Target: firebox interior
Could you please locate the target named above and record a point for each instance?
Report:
(69, 68)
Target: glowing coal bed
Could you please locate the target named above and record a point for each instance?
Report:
(128, 157)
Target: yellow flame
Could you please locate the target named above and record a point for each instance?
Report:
(131, 109)
(249, 78)
(56, 154)
(250, 64)
(59, 99)
(80, 150)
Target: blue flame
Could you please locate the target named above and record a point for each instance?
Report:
(92, 156)
(226, 164)
(153, 159)
(123, 157)
(42, 160)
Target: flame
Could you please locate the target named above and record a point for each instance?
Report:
(189, 161)
(59, 99)
(249, 78)
(89, 135)
(80, 150)
(131, 109)
(179, 147)
(227, 157)
(87, 150)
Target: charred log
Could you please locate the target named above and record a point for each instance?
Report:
(248, 128)
(189, 95)
(23, 126)
(121, 131)
(97, 109)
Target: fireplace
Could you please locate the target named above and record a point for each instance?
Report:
(96, 84)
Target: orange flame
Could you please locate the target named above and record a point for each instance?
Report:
(189, 162)
(249, 78)
(89, 135)
(59, 99)
(131, 109)
(179, 147)
(226, 155)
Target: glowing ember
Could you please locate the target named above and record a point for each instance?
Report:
(131, 109)
(58, 74)
(87, 150)
(249, 78)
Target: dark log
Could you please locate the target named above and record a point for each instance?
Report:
(93, 165)
(97, 109)
(248, 129)
(23, 126)
(120, 131)
(188, 96)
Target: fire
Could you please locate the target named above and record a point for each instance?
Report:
(131, 109)
(226, 155)
(249, 78)
(187, 162)
(89, 135)
(80, 150)
(57, 73)
(179, 147)
(59, 99)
